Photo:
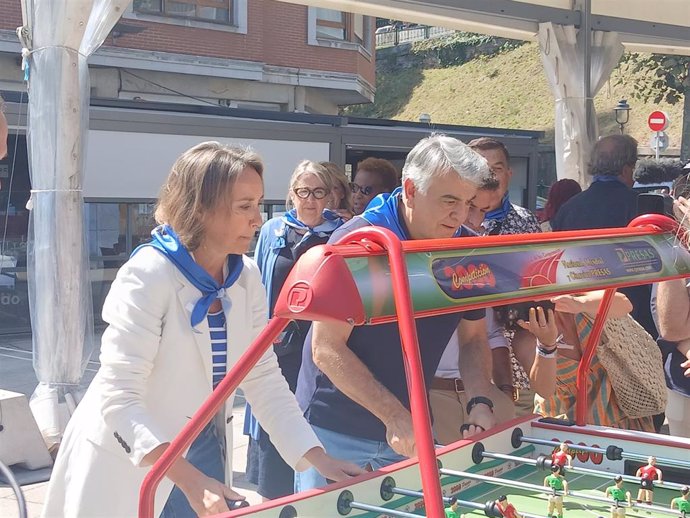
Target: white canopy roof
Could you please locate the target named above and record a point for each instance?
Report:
(657, 26)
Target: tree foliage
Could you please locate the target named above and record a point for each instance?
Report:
(667, 77)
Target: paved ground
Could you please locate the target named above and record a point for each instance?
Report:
(17, 375)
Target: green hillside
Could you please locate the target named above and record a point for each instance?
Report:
(505, 90)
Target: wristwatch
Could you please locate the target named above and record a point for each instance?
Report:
(477, 401)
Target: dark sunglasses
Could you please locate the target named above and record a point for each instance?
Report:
(355, 188)
(304, 193)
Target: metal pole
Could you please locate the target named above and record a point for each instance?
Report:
(581, 409)
(205, 413)
(657, 144)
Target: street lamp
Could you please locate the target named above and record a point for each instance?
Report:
(622, 110)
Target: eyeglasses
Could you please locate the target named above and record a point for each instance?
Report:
(366, 191)
(304, 193)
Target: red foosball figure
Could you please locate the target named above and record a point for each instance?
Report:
(648, 474)
(507, 509)
(562, 457)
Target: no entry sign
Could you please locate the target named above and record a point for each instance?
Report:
(658, 121)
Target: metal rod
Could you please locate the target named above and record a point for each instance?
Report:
(543, 489)
(419, 405)
(205, 413)
(383, 510)
(581, 405)
(579, 469)
(664, 461)
(446, 499)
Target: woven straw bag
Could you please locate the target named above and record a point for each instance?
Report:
(633, 363)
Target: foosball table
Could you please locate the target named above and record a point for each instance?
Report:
(511, 460)
(372, 277)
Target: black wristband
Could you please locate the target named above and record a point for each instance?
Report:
(479, 400)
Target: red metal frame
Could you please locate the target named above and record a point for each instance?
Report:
(303, 296)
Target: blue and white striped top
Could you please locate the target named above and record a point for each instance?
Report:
(219, 345)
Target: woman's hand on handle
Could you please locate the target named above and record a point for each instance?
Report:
(207, 496)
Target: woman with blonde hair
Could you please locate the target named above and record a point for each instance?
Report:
(341, 196)
(282, 241)
(180, 312)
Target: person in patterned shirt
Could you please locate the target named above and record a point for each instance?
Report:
(492, 213)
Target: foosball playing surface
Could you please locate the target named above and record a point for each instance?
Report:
(513, 460)
(533, 502)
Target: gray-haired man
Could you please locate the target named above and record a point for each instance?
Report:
(352, 384)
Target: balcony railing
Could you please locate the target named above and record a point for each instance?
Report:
(398, 36)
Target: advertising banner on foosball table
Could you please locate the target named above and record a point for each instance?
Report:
(442, 280)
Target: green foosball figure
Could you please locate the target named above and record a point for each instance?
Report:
(682, 503)
(619, 496)
(557, 482)
(452, 509)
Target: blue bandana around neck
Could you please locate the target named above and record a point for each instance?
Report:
(165, 240)
(331, 221)
(606, 178)
(382, 211)
(501, 212)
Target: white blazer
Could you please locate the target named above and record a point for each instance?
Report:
(155, 373)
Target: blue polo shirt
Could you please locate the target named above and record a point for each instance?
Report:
(379, 348)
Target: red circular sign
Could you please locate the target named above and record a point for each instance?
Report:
(657, 121)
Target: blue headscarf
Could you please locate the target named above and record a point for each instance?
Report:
(501, 212)
(165, 240)
(382, 211)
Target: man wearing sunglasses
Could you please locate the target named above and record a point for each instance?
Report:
(352, 384)
(373, 177)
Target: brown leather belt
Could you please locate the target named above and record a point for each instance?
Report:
(450, 384)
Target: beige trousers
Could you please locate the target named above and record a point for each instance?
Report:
(448, 409)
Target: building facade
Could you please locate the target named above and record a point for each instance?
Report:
(261, 54)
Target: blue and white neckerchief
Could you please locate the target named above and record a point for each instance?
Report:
(382, 211)
(501, 212)
(165, 240)
(331, 221)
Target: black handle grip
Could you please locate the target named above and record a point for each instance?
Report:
(236, 504)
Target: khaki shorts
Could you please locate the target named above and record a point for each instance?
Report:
(555, 499)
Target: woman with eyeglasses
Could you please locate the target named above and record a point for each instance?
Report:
(373, 177)
(282, 241)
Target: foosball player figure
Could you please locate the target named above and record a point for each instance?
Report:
(557, 482)
(682, 503)
(619, 495)
(648, 474)
(452, 509)
(562, 457)
(507, 509)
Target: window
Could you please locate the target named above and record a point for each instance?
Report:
(331, 24)
(215, 11)
(340, 26)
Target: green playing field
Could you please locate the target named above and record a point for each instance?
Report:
(535, 503)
